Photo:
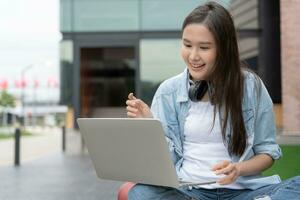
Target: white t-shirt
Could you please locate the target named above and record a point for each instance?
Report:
(203, 146)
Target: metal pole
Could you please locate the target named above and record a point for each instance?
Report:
(82, 143)
(17, 146)
(63, 138)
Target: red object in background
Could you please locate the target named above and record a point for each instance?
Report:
(49, 81)
(56, 84)
(3, 84)
(29, 114)
(20, 83)
(17, 83)
(52, 82)
(23, 83)
(36, 83)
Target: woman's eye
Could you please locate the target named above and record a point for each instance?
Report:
(187, 45)
(204, 48)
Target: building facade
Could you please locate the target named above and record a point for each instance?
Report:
(111, 48)
(290, 65)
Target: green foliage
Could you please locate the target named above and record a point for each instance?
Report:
(7, 100)
(288, 165)
(59, 119)
(8, 136)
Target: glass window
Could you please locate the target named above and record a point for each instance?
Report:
(156, 65)
(249, 50)
(126, 15)
(100, 15)
(165, 15)
(66, 66)
(66, 15)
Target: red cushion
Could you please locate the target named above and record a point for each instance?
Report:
(124, 189)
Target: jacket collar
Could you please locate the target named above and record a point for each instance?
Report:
(182, 92)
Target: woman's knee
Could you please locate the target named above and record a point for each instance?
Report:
(293, 181)
(141, 191)
(288, 189)
(133, 193)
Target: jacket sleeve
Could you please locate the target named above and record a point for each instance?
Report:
(264, 127)
(162, 110)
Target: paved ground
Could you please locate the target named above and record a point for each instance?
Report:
(47, 173)
(44, 141)
(55, 177)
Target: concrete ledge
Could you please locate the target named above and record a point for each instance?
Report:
(288, 139)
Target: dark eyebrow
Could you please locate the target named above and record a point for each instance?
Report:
(207, 43)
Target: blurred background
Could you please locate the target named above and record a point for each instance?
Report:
(111, 48)
(29, 62)
(64, 59)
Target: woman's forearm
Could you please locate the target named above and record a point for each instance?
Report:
(255, 165)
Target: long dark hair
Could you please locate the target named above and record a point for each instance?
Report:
(226, 77)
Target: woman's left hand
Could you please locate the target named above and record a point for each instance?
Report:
(231, 170)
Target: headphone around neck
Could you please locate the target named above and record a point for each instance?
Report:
(197, 90)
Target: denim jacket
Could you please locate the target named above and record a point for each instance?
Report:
(170, 106)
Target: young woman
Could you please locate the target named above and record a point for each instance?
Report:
(217, 117)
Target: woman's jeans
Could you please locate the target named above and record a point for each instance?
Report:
(286, 190)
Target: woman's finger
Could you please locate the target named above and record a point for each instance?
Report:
(225, 170)
(230, 178)
(137, 108)
(220, 165)
(141, 103)
(131, 103)
(131, 115)
(137, 104)
(131, 109)
(131, 96)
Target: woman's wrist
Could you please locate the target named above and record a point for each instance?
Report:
(239, 168)
(255, 165)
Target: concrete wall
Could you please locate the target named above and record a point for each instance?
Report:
(290, 66)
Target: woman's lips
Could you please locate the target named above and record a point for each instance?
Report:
(197, 66)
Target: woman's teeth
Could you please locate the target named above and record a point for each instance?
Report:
(197, 65)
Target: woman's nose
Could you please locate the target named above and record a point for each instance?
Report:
(194, 55)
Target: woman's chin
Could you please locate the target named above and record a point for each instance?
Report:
(196, 77)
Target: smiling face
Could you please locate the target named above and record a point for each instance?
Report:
(198, 51)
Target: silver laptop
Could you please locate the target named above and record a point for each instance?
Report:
(135, 150)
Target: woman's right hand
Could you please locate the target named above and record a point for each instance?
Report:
(136, 108)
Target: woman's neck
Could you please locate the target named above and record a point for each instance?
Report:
(205, 97)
